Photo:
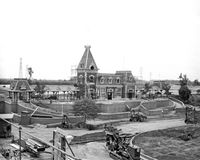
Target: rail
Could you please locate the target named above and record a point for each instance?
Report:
(146, 157)
(32, 107)
(178, 101)
(143, 156)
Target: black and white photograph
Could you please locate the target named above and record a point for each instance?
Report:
(100, 80)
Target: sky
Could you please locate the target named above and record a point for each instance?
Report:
(155, 39)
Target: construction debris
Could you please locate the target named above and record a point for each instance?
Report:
(120, 145)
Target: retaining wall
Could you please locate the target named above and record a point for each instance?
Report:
(72, 119)
(67, 108)
(157, 107)
(90, 137)
(108, 107)
(45, 121)
(150, 105)
(109, 116)
(150, 108)
(9, 107)
(115, 107)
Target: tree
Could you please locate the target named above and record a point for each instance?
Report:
(147, 87)
(87, 107)
(196, 82)
(184, 91)
(166, 87)
(30, 72)
(40, 89)
(183, 79)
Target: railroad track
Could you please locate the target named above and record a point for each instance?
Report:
(146, 157)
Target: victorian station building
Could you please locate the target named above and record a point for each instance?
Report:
(93, 84)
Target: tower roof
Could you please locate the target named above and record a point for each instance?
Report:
(87, 60)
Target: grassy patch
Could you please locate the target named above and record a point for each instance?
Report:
(167, 144)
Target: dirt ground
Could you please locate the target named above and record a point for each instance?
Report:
(181, 143)
(96, 150)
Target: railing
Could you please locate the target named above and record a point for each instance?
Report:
(143, 156)
(21, 130)
(39, 109)
(178, 101)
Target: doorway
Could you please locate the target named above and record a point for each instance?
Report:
(109, 94)
(130, 94)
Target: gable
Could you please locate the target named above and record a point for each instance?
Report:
(20, 85)
(87, 60)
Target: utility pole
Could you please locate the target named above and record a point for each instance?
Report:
(20, 136)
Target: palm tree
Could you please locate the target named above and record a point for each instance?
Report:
(30, 72)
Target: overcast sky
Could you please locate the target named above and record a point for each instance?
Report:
(149, 37)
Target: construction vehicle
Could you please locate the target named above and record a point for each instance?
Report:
(66, 123)
(119, 145)
(137, 116)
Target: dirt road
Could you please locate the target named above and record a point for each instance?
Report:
(150, 125)
(96, 150)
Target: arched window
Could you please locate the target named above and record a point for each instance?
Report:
(80, 76)
(110, 80)
(102, 80)
(118, 80)
(91, 77)
(80, 79)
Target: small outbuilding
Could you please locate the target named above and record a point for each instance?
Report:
(5, 127)
(20, 90)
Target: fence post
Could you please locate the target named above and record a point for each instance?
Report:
(20, 135)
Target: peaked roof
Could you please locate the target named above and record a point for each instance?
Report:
(87, 60)
(20, 84)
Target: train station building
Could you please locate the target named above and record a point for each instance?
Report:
(91, 83)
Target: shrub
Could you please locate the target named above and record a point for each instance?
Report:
(184, 93)
(87, 107)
